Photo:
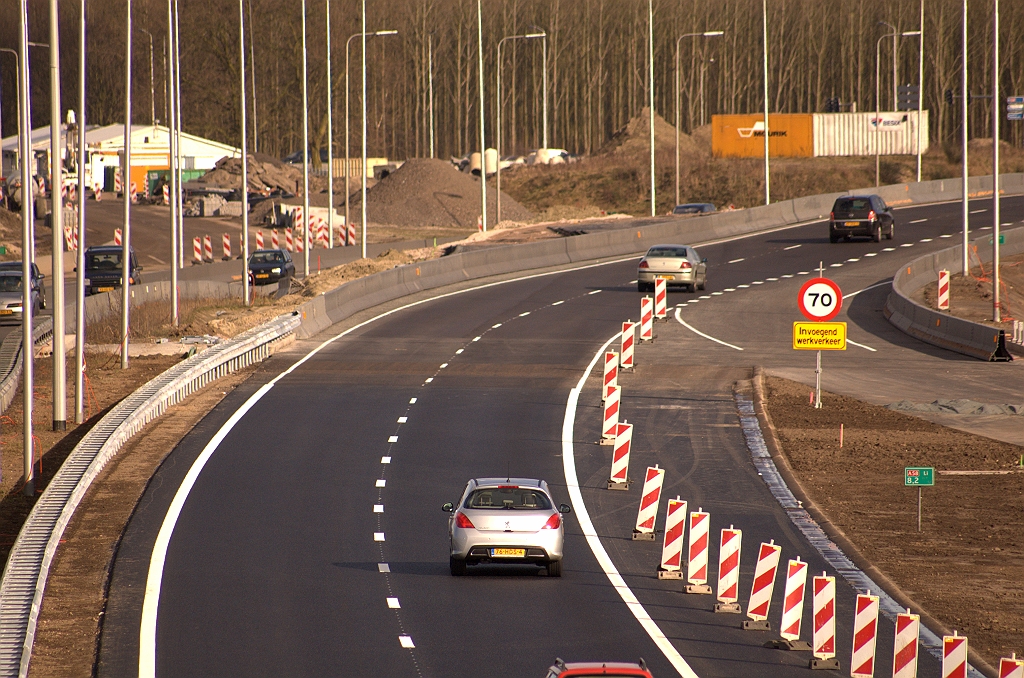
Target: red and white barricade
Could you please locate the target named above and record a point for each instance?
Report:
(259, 240)
(649, 499)
(167, 194)
(226, 241)
(117, 181)
(954, 656)
(618, 479)
(70, 237)
(1011, 667)
(322, 235)
(697, 563)
(296, 218)
(729, 570)
(904, 649)
(627, 344)
(275, 241)
(660, 299)
(824, 636)
(289, 239)
(72, 193)
(97, 193)
(197, 250)
(793, 601)
(300, 241)
(208, 248)
(943, 296)
(611, 373)
(134, 192)
(117, 237)
(672, 547)
(764, 584)
(611, 415)
(646, 319)
(351, 235)
(865, 636)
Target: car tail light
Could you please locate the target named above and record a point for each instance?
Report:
(832, 216)
(685, 266)
(644, 264)
(554, 522)
(872, 216)
(464, 522)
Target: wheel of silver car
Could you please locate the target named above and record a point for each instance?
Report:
(458, 567)
(703, 283)
(877, 237)
(892, 232)
(555, 568)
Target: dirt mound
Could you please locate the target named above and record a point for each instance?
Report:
(430, 192)
(265, 172)
(635, 138)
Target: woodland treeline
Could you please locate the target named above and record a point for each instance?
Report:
(597, 71)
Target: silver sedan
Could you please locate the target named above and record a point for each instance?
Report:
(675, 264)
(506, 520)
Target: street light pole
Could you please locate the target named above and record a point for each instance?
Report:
(252, 65)
(80, 272)
(497, 197)
(996, 310)
(430, 85)
(965, 211)
(60, 404)
(172, 160)
(152, 90)
(242, 104)
(920, 90)
(878, 106)
(177, 133)
(126, 184)
(330, 133)
(767, 172)
(305, 150)
(650, 96)
(706, 34)
(17, 96)
(480, 86)
(25, 141)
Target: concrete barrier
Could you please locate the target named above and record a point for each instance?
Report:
(940, 328)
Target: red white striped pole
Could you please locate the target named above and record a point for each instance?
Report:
(660, 299)
(208, 247)
(134, 192)
(300, 240)
(824, 637)
(954, 656)
(627, 342)
(648, 513)
(197, 251)
(226, 240)
(275, 240)
(296, 218)
(167, 194)
(117, 237)
(943, 297)
(904, 649)
(611, 415)
(259, 240)
(865, 635)
(672, 548)
(729, 571)
(646, 319)
(352, 235)
(611, 373)
(289, 239)
(1011, 667)
(764, 585)
(618, 479)
(697, 564)
(793, 605)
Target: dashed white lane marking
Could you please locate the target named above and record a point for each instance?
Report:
(594, 541)
(972, 212)
(743, 286)
(804, 273)
(412, 401)
(394, 604)
(946, 235)
(385, 460)
(406, 642)
(381, 482)
(428, 380)
(853, 261)
(402, 420)
(918, 221)
(554, 304)
(391, 439)
(682, 322)
(706, 296)
(714, 294)
(758, 282)
(788, 275)
(889, 249)
(869, 287)
(830, 266)
(873, 350)
(984, 228)
(594, 292)
(523, 315)
(791, 247)
(693, 301)
(907, 244)
(871, 254)
(768, 279)
(1008, 223)
(493, 327)
(378, 536)
(383, 567)
(443, 365)
(921, 240)
(459, 352)
(727, 289)
(378, 508)
(736, 261)
(631, 282)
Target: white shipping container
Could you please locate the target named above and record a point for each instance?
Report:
(845, 134)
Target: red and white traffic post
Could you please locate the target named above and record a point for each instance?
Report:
(672, 548)
(942, 300)
(611, 416)
(627, 344)
(1011, 667)
(767, 568)
(351, 235)
(618, 479)
(697, 563)
(729, 571)
(289, 239)
(865, 636)
(611, 373)
(649, 499)
(793, 606)
(259, 240)
(226, 241)
(208, 248)
(275, 241)
(660, 299)
(197, 251)
(117, 237)
(954, 656)
(904, 649)
(824, 636)
(646, 319)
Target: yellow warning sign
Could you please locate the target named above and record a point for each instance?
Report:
(819, 336)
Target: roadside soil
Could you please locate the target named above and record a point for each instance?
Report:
(965, 565)
(971, 297)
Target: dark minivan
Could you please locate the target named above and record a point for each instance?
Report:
(861, 215)
(103, 269)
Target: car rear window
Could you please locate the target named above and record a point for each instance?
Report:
(10, 283)
(853, 205)
(267, 258)
(508, 497)
(679, 252)
(103, 261)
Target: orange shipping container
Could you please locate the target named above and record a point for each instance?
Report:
(791, 135)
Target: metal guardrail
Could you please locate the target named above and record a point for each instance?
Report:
(24, 578)
(11, 360)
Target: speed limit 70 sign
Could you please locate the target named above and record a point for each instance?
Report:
(820, 299)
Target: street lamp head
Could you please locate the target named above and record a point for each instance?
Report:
(713, 34)
(910, 33)
(388, 32)
(536, 35)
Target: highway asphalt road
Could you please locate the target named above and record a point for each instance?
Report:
(274, 566)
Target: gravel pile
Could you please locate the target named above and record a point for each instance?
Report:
(634, 139)
(265, 172)
(431, 192)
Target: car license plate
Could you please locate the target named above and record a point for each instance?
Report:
(105, 289)
(664, 277)
(508, 553)
(6, 311)
(852, 223)
(262, 275)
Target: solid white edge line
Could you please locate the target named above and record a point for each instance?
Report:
(869, 287)
(706, 336)
(583, 516)
(850, 341)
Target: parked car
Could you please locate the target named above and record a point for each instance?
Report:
(103, 268)
(861, 215)
(270, 266)
(675, 264)
(12, 297)
(37, 278)
(560, 669)
(694, 208)
(506, 520)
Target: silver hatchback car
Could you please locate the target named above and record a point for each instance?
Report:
(506, 520)
(675, 264)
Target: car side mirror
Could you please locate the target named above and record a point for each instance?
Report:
(704, 260)
(564, 508)
(42, 275)
(140, 268)
(74, 270)
(448, 507)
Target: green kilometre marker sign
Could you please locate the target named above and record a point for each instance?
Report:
(919, 476)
